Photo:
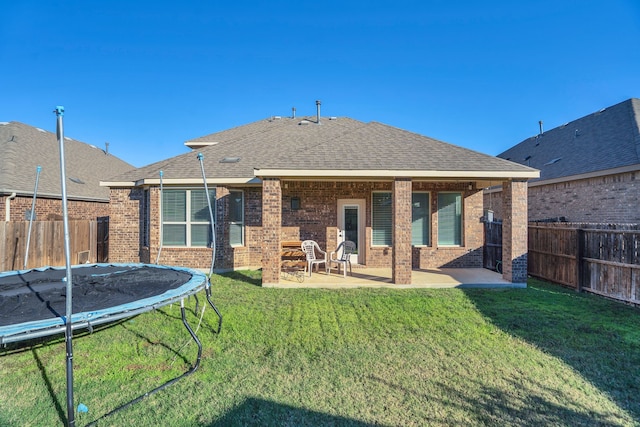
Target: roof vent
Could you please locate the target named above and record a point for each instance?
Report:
(304, 122)
(40, 130)
(293, 112)
(333, 118)
(552, 161)
(540, 124)
(13, 138)
(230, 160)
(76, 180)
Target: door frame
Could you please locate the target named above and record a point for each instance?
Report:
(361, 204)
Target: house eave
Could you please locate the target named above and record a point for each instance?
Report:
(182, 181)
(389, 174)
(45, 195)
(595, 174)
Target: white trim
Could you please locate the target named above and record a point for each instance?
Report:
(467, 175)
(361, 204)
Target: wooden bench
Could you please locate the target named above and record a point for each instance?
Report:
(293, 260)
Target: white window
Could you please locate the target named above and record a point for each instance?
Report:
(186, 219)
(236, 218)
(420, 219)
(381, 218)
(449, 219)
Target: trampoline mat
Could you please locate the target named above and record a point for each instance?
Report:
(41, 294)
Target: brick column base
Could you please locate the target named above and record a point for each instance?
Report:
(271, 230)
(401, 225)
(514, 231)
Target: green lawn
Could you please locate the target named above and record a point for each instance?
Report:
(360, 357)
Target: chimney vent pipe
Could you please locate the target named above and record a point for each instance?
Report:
(293, 112)
(541, 130)
(318, 108)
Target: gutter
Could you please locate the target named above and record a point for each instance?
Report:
(7, 206)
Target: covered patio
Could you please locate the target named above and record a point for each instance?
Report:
(366, 277)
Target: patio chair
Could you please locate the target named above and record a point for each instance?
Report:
(348, 247)
(315, 255)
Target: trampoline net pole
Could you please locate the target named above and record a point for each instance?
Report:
(211, 218)
(31, 215)
(161, 194)
(69, 298)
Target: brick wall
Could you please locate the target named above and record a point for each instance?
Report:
(469, 255)
(125, 224)
(611, 198)
(51, 209)
(316, 219)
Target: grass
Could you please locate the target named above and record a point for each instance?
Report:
(361, 357)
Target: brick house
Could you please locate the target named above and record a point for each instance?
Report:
(408, 201)
(23, 148)
(589, 168)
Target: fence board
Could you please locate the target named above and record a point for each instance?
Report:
(46, 247)
(602, 259)
(553, 254)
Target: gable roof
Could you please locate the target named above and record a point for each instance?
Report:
(604, 140)
(25, 147)
(336, 148)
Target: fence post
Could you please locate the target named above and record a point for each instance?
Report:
(580, 259)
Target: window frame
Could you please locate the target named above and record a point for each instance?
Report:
(428, 219)
(237, 223)
(188, 222)
(373, 220)
(460, 220)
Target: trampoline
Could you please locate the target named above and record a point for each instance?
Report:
(32, 302)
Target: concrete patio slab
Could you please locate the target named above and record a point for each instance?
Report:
(364, 277)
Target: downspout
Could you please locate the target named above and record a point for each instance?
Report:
(7, 206)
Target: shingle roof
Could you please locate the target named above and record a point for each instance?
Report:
(606, 139)
(23, 148)
(337, 144)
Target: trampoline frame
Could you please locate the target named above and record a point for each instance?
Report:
(87, 320)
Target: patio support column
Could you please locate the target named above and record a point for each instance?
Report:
(271, 230)
(514, 231)
(401, 229)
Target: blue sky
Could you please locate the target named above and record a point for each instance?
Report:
(147, 76)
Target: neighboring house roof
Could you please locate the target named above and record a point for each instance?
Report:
(607, 140)
(336, 148)
(23, 148)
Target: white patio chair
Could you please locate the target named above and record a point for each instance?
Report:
(315, 255)
(343, 253)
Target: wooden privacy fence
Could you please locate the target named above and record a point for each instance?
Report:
(46, 247)
(599, 258)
